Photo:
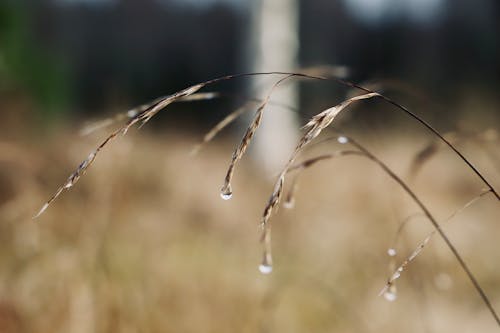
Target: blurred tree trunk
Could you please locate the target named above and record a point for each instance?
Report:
(275, 48)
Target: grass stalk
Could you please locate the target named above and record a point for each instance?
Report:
(437, 227)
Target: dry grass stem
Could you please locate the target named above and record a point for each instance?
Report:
(222, 124)
(399, 231)
(328, 71)
(104, 123)
(397, 274)
(389, 291)
(436, 225)
(290, 197)
(226, 190)
(313, 128)
(230, 118)
(429, 127)
(145, 113)
(454, 137)
(142, 115)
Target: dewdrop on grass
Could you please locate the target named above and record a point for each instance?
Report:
(226, 193)
(342, 140)
(391, 293)
(391, 252)
(266, 267)
(397, 274)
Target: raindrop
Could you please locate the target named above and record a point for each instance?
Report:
(391, 252)
(342, 139)
(391, 294)
(226, 193)
(265, 268)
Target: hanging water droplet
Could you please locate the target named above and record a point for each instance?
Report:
(226, 193)
(391, 252)
(391, 293)
(342, 139)
(265, 269)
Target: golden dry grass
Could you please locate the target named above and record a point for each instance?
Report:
(144, 242)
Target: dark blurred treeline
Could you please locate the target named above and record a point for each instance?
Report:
(86, 56)
(82, 57)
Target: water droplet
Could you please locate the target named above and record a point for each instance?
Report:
(391, 252)
(265, 269)
(131, 113)
(396, 275)
(226, 196)
(391, 293)
(342, 139)
(226, 193)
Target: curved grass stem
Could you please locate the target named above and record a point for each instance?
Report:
(385, 168)
(434, 222)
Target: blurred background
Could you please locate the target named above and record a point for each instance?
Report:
(143, 243)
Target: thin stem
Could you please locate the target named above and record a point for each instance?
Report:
(385, 98)
(144, 115)
(430, 127)
(434, 222)
(365, 153)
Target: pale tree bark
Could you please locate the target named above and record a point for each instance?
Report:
(275, 48)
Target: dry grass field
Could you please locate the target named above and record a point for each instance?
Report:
(144, 243)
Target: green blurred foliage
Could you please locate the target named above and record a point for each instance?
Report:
(40, 75)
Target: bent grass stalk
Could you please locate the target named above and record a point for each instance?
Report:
(314, 127)
(142, 117)
(422, 244)
(455, 137)
(106, 122)
(230, 118)
(392, 250)
(226, 190)
(390, 288)
(149, 110)
(221, 125)
(394, 244)
(432, 129)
